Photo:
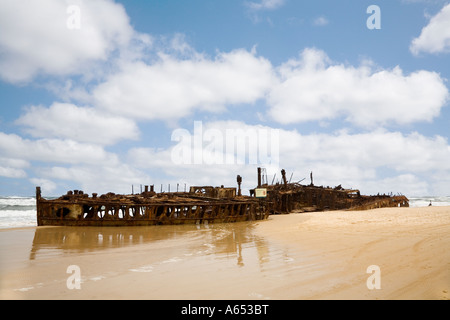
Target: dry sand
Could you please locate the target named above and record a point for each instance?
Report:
(322, 255)
(411, 247)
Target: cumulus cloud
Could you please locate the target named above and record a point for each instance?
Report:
(314, 88)
(435, 37)
(49, 162)
(9, 172)
(404, 153)
(13, 167)
(172, 88)
(54, 150)
(47, 186)
(36, 36)
(365, 160)
(82, 124)
(310, 88)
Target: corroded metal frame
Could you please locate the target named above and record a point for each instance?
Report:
(137, 210)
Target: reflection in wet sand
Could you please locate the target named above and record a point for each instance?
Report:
(222, 240)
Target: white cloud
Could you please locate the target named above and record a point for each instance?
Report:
(67, 121)
(377, 161)
(435, 37)
(403, 153)
(312, 88)
(321, 21)
(54, 150)
(9, 172)
(36, 39)
(172, 88)
(51, 161)
(47, 186)
(265, 4)
(13, 168)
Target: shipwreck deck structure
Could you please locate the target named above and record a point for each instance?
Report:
(287, 197)
(148, 208)
(300, 198)
(202, 204)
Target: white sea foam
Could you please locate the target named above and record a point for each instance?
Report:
(16, 212)
(17, 201)
(17, 218)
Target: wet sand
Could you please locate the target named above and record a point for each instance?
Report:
(322, 255)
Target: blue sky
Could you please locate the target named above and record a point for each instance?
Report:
(94, 94)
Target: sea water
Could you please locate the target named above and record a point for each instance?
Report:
(18, 212)
(425, 201)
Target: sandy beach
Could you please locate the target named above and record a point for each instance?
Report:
(409, 245)
(393, 253)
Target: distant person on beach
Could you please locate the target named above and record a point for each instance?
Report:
(430, 204)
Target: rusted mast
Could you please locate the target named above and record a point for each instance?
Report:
(283, 175)
(259, 177)
(38, 201)
(239, 181)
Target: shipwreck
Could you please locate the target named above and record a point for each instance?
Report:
(203, 204)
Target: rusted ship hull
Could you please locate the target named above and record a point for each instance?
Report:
(78, 209)
(293, 197)
(312, 198)
(203, 204)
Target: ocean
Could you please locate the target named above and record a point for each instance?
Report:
(18, 212)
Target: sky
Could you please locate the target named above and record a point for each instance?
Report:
(108, 96)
